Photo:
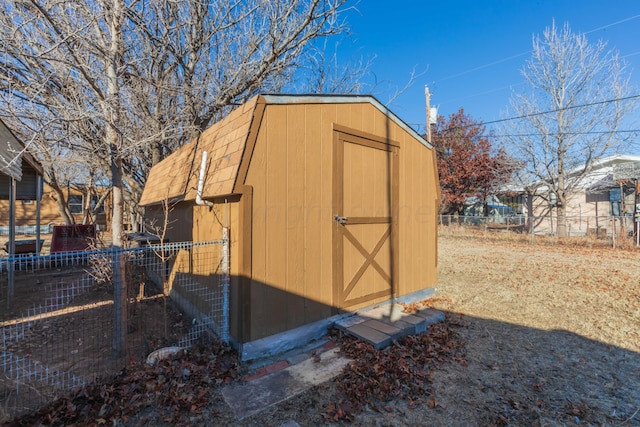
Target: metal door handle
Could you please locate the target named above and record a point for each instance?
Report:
(341, 219)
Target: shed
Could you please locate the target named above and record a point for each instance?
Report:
(331, 203)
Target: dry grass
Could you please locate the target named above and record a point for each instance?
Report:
(552, 334)
(552, 338)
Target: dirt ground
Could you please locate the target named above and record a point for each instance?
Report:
(550, 333)
(552, 337)
(72, 338)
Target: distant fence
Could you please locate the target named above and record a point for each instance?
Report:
(57, 332)
(26, 229)
(32, 229)
(613, 230)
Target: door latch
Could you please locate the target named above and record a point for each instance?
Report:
(341, 219)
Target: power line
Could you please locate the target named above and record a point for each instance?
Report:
(571, 107)
(499, 61)
(481, 67)
(622, 21)
(568, 133)
(487, 92)
(630, 54)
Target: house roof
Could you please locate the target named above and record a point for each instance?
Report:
(176, 177)
(13, 153)
(601, 175)
(603, 171)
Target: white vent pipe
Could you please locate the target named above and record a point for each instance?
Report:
(203, 169)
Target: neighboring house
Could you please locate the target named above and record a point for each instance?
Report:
(605, 193)
(17, 164)
(30, 213)
(49, 211)
(20, 179)
(331, 203)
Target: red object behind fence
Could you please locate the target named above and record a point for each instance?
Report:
(69, 238)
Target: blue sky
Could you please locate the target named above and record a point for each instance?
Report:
(473, 51)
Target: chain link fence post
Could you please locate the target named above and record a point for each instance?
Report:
(225, 285)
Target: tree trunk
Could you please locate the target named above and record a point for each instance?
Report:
(118, 261)
(530, 213)
(561, 209)
(113, 111)
(561, 195)
(562, 221)
(86, 207)
(62, 205)
(156, 154)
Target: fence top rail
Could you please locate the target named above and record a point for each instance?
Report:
(582, 217)
(110, 250)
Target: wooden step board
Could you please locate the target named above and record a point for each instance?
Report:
(383, 324)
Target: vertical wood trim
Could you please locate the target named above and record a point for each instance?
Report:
(249, 145)
(245, 217)
(434, 160)
(338, 244)
(395, 223)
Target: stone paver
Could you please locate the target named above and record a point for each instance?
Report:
(249, 398)
(381, 325)
(279, 380)
(374, 337)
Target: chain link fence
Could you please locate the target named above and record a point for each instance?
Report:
(56, 333)
(601, 230)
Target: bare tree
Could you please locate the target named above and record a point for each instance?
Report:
(568, 119)
(175, 67)
(123, 82)
(325, 72)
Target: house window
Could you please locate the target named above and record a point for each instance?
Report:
(75, 204)
(614, 199)
(615, 208)
(614, 195)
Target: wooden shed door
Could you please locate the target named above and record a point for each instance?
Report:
(365, 193)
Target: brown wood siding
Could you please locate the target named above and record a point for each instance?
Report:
(295, 256)
(317, 210)
(417, 216)
(291, 172)
(26, 213)
(207, 226)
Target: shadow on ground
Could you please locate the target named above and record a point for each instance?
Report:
(512, 375)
